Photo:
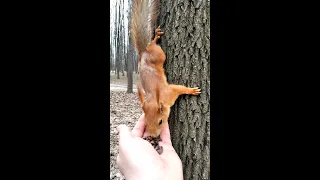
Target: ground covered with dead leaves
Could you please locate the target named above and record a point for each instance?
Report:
(124, 109)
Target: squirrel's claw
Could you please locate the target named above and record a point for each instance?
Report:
(195, 91)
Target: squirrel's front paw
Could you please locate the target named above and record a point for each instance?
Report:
(159, 32)
(195, 91)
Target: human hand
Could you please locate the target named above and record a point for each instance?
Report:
(137, 159)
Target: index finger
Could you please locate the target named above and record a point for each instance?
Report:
(138, 129)
(165, 135)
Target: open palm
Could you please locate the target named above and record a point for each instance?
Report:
(137, 159)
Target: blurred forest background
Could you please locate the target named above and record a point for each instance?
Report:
(124, 102)
(123, 57)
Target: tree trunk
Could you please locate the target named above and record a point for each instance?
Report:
(111, 57)
(134, 64)
(127, 59)
(136, 60)
(130, 50)
(186, 43)
(130, 79)
(118, 75)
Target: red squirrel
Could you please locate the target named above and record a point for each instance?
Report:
(160, 95)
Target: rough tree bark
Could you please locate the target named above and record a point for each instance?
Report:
(186, 43)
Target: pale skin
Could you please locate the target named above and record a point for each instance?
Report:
(138, 160)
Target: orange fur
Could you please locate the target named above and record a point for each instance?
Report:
(160, 95)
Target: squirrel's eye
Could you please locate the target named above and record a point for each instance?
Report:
(160, 122)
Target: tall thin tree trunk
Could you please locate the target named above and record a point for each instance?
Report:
(130, 79)
(186, 43)
(119, 42)
(130, 50)
(118, 75)
(122, 38)
(136, 61)
(128, 58)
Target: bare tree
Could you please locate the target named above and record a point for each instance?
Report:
(130, 78)
(135, 60)
(187, 46)
(130, 57)
(111, 57)
(122, 37)
(119, 41)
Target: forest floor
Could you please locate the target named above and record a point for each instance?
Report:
(123, 79)
(124, 109)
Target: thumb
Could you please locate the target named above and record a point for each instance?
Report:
(123, 132)
(165, 135)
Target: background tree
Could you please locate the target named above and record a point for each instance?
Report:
(119, 46)
(111, 58)
(130, 56)
(119, 37)
(116, 38)
(122, 36)
(186, 43)
(113, 34)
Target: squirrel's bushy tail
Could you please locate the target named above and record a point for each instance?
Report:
(144, 15)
